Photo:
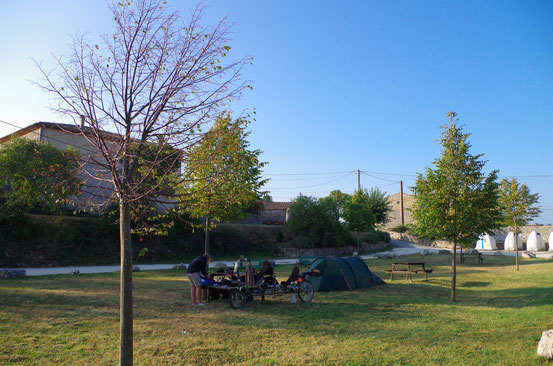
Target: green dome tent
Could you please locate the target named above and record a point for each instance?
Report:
(340, 274)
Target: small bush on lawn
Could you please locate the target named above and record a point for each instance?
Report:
(371, 237)
(301, 242)
(383, 236)
(401, 229)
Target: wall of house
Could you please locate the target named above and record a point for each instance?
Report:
(33, 135)
(95, 193)
(394, 216)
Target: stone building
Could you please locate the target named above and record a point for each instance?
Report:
(394, 216)
(95, 192)
(271, 213)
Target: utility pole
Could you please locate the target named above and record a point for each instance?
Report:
(401, 193)
(358, 180)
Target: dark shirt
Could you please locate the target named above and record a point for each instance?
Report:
(198, 265)
(267, 270)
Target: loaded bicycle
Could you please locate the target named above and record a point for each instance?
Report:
(241, 288)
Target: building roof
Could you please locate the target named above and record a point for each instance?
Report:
(69, 128)
(393, 196)
(276, 205)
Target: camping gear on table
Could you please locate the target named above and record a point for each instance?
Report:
(234, 286)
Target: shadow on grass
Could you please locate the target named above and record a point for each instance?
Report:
(165, 292)
(330, 312)
(474, 284)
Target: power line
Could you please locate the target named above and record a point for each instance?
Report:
(328, 173)
(387, 185)
(314, 185)
(365, 172)
(529, 176)
(307, 178)
(393, 174)
(373, 176)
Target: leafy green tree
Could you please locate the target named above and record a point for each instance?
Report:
(36, 175)
(455, 201)
(517, 205)
(358, 213)
(379, 205)
(317, 222)
(224, 174)
(335, 203)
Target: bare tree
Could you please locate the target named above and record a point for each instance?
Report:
(144, 94)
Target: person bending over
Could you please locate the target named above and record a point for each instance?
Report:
(198, 265)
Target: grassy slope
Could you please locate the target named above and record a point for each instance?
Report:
(498, 320)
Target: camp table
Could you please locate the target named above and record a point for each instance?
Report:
(405, 268)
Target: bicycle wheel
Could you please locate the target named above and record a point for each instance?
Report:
(237, 299)
(306, 291)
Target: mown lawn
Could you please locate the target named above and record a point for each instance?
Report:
(498, 320)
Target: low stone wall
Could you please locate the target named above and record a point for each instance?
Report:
(544, 230)
(327, 252)
(499, 236)
(414, 239)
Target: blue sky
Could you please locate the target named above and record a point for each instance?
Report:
(347, 85)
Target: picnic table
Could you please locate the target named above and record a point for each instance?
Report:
(207, 290)
(468, 255)
(408, 269)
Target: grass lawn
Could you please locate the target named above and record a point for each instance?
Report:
(498, 320)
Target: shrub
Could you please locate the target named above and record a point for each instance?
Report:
(36, 177)
(401, 228)
(280, 237)
(383, 236)
(317, 220)
(301, 242)
(370, 237)
(373, 237)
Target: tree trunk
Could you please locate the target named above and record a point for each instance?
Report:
(454, 270)
(125, 295)
(516, 243)
(207, 226)
(358, 240)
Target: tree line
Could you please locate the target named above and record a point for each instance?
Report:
(328, 221)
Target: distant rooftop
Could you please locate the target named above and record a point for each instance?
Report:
(276, 205)
(69, 128)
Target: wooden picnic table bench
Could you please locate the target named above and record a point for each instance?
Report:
(405, 268)
(469, 255)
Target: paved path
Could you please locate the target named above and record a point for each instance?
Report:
(143, 267)
(399, 248)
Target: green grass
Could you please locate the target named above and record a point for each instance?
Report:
(498, 320)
